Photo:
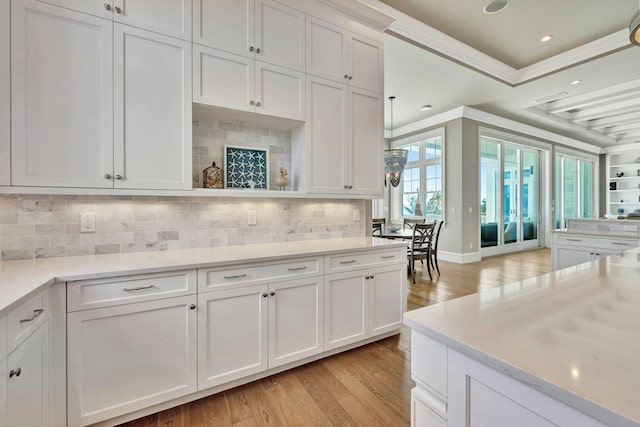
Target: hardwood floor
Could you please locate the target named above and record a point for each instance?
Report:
(367, 386)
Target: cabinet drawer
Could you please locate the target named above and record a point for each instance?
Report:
(26, 318)
(86, 294)
(619, 243)
(337, 263)
(210, 279)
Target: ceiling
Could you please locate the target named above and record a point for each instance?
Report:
(450, 53)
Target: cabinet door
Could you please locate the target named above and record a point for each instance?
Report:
(366, 63)
(327, 127)
(224, 24)
(279, 91)
(168, 17)
(367, 144)
(128, 357)
(344, 309)
(295, 320)
(232, 334)
(5, 90)
(29, 392)
(223, 79)
(152, 82)
(326, 53)
(61, 97)
(386, 298)
(280, 35)
(568, 256)
(103, 9)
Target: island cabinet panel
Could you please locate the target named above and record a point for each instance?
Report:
(4, 374)
(344, 309)
(570, 249)
(128, 357)
(481, 396)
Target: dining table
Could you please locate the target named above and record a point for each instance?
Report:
(396, 233)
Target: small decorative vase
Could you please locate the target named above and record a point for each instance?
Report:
(212, 177)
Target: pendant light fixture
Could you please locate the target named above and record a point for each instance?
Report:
(634, 28)
(394, 159)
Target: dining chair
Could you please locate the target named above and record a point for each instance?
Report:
(433, 250)
(410, 222)
(379, 220)
(420, 247)
(376, 229)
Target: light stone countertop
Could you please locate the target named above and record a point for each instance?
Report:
(573, 334)
(19, 279)
(631, 234)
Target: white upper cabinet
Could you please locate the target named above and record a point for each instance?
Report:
(227, 80)
(343, 56)
(5, 98)
(71, 128)
(62, 97)
(259, 29)
(169, 17)
(152, 143)
(344, 123)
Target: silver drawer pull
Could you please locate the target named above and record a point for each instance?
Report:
(237, 276)
(138, 288)
(298, 268)
(574, 240)
(387, 256)
(348, 262)
(620, 244)
(36, 313)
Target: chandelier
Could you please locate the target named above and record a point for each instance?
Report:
(394, 159)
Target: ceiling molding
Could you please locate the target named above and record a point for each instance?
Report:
(603, 46)
(494, 120)
(413, 31)
(369, 14)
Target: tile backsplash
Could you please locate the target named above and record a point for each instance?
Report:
(44, 226)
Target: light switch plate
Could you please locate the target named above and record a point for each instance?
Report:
(252, 217)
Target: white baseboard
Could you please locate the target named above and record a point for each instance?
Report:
(459, 258)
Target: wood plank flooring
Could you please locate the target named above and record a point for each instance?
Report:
(367, 386)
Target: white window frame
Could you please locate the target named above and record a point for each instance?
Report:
(397, 193)
(559, 198)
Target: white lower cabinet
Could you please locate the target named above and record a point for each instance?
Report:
(29, 387)
(362, 303)
(573, 249)
(250, 329)
(128, 357)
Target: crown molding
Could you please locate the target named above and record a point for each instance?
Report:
(369, 14)
(603, 46)
(413, 31)
(494, 120)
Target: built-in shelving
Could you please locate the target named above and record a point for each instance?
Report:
(626, 196)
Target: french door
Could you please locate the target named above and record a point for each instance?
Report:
(510, 196)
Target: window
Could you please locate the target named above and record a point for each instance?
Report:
(574, 188)
(421, 191)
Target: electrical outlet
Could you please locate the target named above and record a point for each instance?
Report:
(470, 210)
(252, 218)
(87, 222)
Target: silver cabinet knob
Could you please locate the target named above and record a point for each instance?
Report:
(15, 372)
(258, 50)
(118, 176)
(350, 77)
(192, 307)
(264, 295)
(107, 176)
(251, 102)
(272, 293)
(107, 6)
(366, 277)
(345, 186)
(372, 276)
(118, 10)
(346, 76)
(258, 104)
(251, 49)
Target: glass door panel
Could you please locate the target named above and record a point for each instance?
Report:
(511, 194)
(490, 166)
(530, 174)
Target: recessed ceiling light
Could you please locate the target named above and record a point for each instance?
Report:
(546, 38)
(495, 6)
(425, 107)
(576, 82)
